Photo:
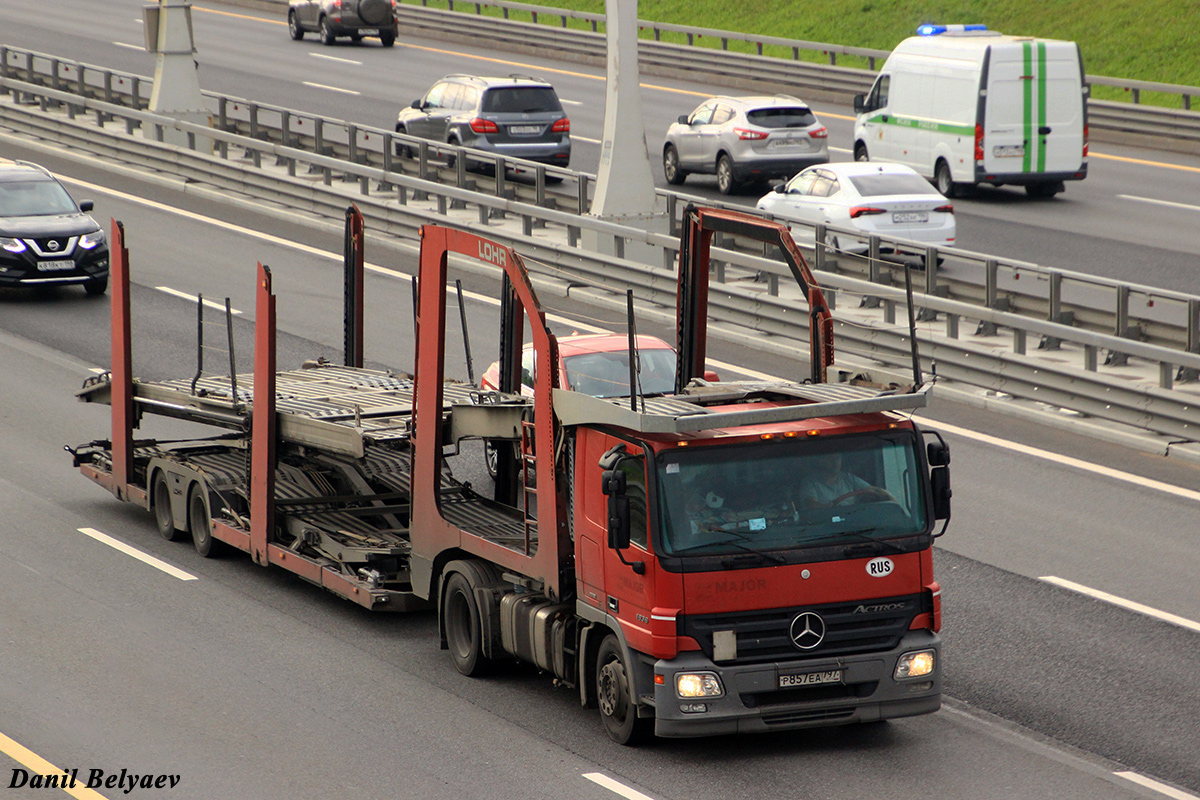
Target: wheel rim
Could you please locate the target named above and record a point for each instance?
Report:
(671, 163)
(198, 521)
(724, 175)
(612, 691)
(292, 26)
(943, 179)
(162, 506)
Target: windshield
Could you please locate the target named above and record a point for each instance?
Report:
(607, 374)
(34, 198)
(794, 494)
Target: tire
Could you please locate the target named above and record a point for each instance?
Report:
(403, 150)
(1048, 189)
(491, 458)
(671, 169)
(164, 520)
(375, 13)
(97, 287)
(726, 184)
(860, 152)
(200, 524)
(356, 37)
(387, 39)
(327, 37)
(294, 29)
(942, 180)
(618, 710)
(451, 158)
(460, 615)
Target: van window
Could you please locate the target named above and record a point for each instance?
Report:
(789, 117)
(878, 97)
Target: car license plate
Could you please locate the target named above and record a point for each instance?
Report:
(810, 678)
(785, 141)
(1009, 151)
(524, 130)
(905, 217)
(51, 266)
(369, 32)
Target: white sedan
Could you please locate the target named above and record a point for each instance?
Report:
(888, 200)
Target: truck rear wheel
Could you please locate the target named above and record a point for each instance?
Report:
(200, 524)
(460, 615)
(164, 520)
(614, 694)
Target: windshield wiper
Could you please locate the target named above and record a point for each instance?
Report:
(738, 545)
(858, 536)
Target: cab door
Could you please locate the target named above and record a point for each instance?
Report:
(628, 596)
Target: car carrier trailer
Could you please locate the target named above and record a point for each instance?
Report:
(666, 557)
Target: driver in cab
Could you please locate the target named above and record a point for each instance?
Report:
(828, 484)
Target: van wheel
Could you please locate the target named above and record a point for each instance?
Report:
(200, 524)
(725, 181)
(671, 169)
(1044, 189)
(460, 614)
(164, 520)
(294, 29)
(942, 180)
(860, 152)
(614, 694)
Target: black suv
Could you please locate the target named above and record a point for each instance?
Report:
(353, 18)
(517, 116)
(44, 237)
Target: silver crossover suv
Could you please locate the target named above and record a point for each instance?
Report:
(744, 139)
(354, 18)
(516, 116)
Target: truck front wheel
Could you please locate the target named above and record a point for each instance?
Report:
(614, 694)
(460, 614)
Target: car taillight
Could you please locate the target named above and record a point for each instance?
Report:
(562, 126)
(946, 209)
(1085, 140)
(749, 133)
(335, 5)
(979, 143)
(480, 125)
(819, 133)
(865, 211)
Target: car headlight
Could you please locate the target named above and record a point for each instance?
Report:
(90, 240)
(698, 684)
(915, 665)
(12, 245)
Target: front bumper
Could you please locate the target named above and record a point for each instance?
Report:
(754, 703)
(22, 269)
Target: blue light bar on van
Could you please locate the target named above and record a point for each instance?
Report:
(934, 30)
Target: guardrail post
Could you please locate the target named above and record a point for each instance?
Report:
(952, 326)
(1055, 311)
(1193, 340)
(539, 183)
(1018, 341)
(819, 247)
(874, 272)
(135, 92)
(1166, 375)
(1115, 359)
(582, 197)
(991, 296)
(1089, 357)
(572, 236)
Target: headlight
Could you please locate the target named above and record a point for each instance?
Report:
(90, 240)
(915, 665)
(698, 684)
(12, 245)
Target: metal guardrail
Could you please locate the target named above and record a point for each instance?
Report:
(1130, 311)
(772, 64)
(394, 202)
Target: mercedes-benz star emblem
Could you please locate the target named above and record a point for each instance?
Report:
(807, 631)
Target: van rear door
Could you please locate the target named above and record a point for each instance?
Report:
(1033, 119)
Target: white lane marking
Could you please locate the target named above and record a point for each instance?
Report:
(840, 150)
(336, 58)
(331, 88)
(571, 102)
(192, 297)
(1149, 611)
(1158, 202)
(1187, 494)
(139, 47)
(615, 786)
(146, 558)
(1161, 788)
(585, 139)
(1086, 466)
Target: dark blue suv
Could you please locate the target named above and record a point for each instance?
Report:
(45, 238)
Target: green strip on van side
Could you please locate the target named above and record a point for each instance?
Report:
(1027, 90)
(924, 124)
(1041, 118)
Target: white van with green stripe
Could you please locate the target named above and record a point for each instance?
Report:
(963, 105)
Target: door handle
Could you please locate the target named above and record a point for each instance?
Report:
(1043, 130)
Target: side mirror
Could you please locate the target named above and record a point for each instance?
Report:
(781, 188)
(711, 376)
(938, 453)
(86, 206)
(416, 104)
(860, 103)
(939, 479)
(613, 485)
(683, 119)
